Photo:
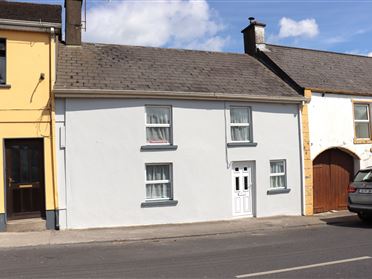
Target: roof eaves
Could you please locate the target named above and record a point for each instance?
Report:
(25, 25)
(98, 93)
(337, 91)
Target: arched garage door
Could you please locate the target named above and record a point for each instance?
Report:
(332, 170)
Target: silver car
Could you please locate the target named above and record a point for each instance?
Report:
(360, 194)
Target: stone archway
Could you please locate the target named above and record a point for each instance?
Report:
(333, 169)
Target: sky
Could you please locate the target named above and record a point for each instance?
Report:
(334, 25)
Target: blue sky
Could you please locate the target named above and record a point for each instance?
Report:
(342, 26)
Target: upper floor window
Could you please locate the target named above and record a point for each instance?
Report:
(240, 124)
(362, 121)
(158, 125)
(2, 61)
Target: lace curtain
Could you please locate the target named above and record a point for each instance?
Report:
(159, 120)
(158, 190)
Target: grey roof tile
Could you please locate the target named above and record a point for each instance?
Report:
(30, 12)
(323, 69)
(119, 67)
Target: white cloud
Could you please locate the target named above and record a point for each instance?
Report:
(359, 52)
(173, 23)
(302, 28)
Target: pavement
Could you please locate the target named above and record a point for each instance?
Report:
(154, 232)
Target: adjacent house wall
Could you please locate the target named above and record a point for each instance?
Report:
(25, 110)
(331, 125)
(308, 163)
(102, 169)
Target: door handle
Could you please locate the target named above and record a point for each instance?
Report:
(10, 181)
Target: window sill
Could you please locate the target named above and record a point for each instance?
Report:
(362, 141)
(159, 203)
(158, 147)
(241, 144)
(5, 86)
(278, 191)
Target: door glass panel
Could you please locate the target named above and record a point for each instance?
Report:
(24, 161)
(245, 183)
(35, 165)
(237, 187)
(15, 166)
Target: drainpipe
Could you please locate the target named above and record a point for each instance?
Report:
(52, 127)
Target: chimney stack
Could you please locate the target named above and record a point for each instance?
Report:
(73, 22)
(254, 36)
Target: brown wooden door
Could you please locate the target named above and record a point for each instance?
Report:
(25, 196)
(332, 171)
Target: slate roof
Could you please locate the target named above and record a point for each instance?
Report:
(119, 67)
(324, 70)
(30, 12)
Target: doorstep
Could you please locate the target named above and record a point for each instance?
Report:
(26, 225)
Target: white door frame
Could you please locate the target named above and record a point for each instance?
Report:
(251, 188)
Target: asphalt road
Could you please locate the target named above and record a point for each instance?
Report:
(336, 248)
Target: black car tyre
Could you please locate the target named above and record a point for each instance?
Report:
(365, 217)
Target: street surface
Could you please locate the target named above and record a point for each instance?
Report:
(342, 250)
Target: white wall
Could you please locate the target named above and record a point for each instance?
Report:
(331, 125)
(101, 171)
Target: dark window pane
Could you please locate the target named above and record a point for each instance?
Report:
(2, 46)
(2, 61)
(245, 183)
(237, 184)
(2, 70)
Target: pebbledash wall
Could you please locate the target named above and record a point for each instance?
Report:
(102, 168)
(336, 113)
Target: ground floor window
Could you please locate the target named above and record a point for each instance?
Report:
(158, 182)
(278, 175)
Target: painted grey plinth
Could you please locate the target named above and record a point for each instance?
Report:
(51, 217)
(2, 222)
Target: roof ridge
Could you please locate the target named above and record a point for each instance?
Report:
(168, 48)
(320, 50)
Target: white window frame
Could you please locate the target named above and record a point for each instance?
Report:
(248, 124)
(170, 181)
(279, 173)
(362, 121)
(147, 125)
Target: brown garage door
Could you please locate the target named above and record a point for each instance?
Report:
(333, 171)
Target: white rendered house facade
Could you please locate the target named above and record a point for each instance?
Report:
(205, 161)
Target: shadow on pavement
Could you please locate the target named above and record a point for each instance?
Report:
(347, 221)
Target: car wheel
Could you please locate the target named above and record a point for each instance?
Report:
(365, 217)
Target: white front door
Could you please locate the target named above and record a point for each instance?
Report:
(242, 184)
